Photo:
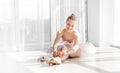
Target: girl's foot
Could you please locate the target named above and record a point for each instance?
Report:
(54, 61)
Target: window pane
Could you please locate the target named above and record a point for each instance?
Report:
(117, 23)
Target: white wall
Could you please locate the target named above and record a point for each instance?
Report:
(106, 22)
(100, 21)
(93, 22)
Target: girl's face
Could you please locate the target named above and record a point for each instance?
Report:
(70, 24)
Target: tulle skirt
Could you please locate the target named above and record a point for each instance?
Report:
(85, 49)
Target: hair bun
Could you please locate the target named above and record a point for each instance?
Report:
(73, 15)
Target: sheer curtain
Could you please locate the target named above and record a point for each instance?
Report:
(24, 24)
(61, 9)
(7, 26)
(33, 17)
(34, 21)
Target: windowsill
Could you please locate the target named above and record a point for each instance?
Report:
(115, 45)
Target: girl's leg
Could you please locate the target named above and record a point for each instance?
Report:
(64, 57)
(75, 54)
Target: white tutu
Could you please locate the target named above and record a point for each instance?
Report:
(87, 49)
(50, 49)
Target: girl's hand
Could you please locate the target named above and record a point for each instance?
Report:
(55, 54)
(60, 54)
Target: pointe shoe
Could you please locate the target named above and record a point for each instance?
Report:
(54, 61)
(42, 59)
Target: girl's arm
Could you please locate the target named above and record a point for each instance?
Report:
(57, 39)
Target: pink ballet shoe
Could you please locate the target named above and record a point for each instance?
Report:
(54, 61)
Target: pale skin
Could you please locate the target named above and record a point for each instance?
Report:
(69, 34)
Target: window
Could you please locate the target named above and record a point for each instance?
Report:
(117, 23)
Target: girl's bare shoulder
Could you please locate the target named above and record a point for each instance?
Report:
(61, 31)
(76, 33)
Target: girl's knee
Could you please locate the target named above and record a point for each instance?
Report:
(75, 54)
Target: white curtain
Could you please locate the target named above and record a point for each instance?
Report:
(7, 34)
(61, 9)
(34, 19)
(24, 24)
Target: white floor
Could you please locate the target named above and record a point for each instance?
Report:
(106, 60)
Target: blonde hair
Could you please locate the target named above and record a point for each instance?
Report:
(71, 17)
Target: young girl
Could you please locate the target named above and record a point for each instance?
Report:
(70, 45)
(70, 37)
